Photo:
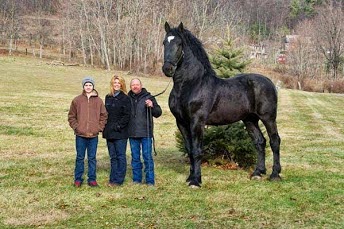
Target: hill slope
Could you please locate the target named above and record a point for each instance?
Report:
(37, 162)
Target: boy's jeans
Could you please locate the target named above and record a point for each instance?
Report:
(82, 144)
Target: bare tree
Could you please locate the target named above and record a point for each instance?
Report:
(101, 15)
(303, 60)
(13, 24)
(329, 28)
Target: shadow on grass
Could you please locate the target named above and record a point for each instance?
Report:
(167, 162)
(171, 159)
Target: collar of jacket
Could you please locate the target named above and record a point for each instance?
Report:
(143, 93)
(94, 93)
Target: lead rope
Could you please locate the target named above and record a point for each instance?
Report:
(150, 109)
(153, 96)
(150, 116)
(150, 120)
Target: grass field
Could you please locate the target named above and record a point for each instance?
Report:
(37, 161)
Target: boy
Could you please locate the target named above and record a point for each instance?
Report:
(87, 117)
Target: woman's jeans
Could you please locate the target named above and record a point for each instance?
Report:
(136, 145)
(82, 144)
(118, 161)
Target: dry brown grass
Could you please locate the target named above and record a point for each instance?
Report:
(37, 160)
(289, 81)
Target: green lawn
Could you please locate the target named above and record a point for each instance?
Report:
(37, 162)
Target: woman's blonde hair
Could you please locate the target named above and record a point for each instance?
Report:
(121, 81)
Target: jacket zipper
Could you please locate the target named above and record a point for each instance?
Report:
(88, 113)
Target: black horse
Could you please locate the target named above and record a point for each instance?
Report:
(200, 98)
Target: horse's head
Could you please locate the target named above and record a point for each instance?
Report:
(173, 49)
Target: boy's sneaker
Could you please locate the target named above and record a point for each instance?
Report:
(93, 184)
(77, 184)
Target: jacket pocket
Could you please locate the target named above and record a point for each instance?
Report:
(80, 131)
(94, 128)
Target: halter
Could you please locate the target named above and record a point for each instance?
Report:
(178, 61)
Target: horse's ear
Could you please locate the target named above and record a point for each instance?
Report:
(167, 27)
(181, 27)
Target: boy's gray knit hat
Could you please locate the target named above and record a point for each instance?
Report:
(87, 79)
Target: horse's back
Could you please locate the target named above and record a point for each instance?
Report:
(242, 96)
(260, 85)
(257, 79)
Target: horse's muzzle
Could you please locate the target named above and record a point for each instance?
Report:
(169, 69)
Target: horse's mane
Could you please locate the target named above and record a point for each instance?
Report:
(195, 46)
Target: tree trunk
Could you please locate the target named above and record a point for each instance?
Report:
(82, 39)
(114, 52)
(83, 47)
(41, 45)
(11, 44)
(91, 53)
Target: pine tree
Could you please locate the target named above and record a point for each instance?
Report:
(228, 61)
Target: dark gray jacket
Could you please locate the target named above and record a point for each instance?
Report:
(141, 120)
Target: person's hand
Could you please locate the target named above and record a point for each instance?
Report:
(149, 103)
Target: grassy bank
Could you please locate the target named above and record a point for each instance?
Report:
(37, 161)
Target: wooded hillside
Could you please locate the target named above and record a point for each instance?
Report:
(127, 34)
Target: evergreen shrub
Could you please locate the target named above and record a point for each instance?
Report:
(230, 143)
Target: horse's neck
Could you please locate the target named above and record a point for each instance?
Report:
(194, 69)
(189, 71)
(189, 75)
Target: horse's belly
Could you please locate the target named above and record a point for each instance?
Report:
(217, 120)
(226, 116)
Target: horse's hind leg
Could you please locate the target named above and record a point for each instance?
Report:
(260, 143)
(275, 141)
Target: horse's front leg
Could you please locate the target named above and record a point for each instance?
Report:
(185, 131)
(196, 154)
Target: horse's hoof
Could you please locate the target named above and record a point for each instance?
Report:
(194, 186)
(256, 177)
(275, 178)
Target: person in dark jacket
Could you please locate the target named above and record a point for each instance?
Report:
(87, 117)
(143, 108)
(117, 104)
